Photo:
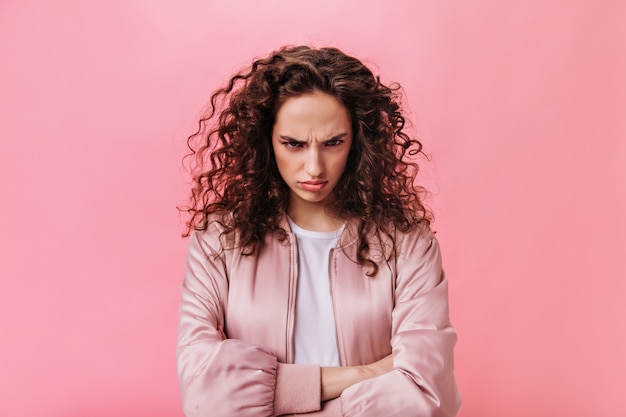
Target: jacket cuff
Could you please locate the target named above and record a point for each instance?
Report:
(298, 389)
(330, 408)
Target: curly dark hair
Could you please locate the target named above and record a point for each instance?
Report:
(236, 179)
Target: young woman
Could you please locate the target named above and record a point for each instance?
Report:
(313, 283)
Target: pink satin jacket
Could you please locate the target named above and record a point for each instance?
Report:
(247, 369)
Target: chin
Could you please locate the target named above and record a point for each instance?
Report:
(314, 199)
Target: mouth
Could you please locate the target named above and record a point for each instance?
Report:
(316, 185)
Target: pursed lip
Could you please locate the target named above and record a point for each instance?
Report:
(314, 185)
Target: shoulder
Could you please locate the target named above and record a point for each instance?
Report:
(417, 237)
(417, 246)
(418, 253)
(222, 235)
(418, 234)
(218, 235)
(388, 233)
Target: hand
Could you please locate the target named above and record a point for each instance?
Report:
(380, 367)
(336, 379)
(220, 329)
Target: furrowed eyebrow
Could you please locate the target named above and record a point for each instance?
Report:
(336, 137)
(290, 139)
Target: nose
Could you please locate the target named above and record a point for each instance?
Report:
(314, 165)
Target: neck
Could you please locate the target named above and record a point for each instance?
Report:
(314, 217)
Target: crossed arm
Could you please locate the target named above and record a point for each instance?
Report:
(335, 379)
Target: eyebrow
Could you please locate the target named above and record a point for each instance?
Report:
(339, 136)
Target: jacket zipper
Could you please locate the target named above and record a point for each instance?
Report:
(333, 276)
(291, 308)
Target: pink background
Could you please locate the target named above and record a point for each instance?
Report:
(521, 105)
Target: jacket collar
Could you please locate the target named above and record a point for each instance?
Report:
(349, 236)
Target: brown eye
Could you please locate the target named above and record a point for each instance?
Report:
(292, 144)
(333, 142)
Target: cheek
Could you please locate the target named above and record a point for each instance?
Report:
(283, 161)
(342, 161)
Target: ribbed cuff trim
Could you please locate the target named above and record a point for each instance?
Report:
(298, 389)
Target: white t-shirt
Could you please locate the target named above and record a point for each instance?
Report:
(315, 332)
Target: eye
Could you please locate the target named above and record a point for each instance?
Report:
(333, 142)
(291, 144)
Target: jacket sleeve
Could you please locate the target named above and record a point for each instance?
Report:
(422, 383)
(227, 377)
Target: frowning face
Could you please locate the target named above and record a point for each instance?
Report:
(311, 138)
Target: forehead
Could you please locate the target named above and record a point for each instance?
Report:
(317, 114)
